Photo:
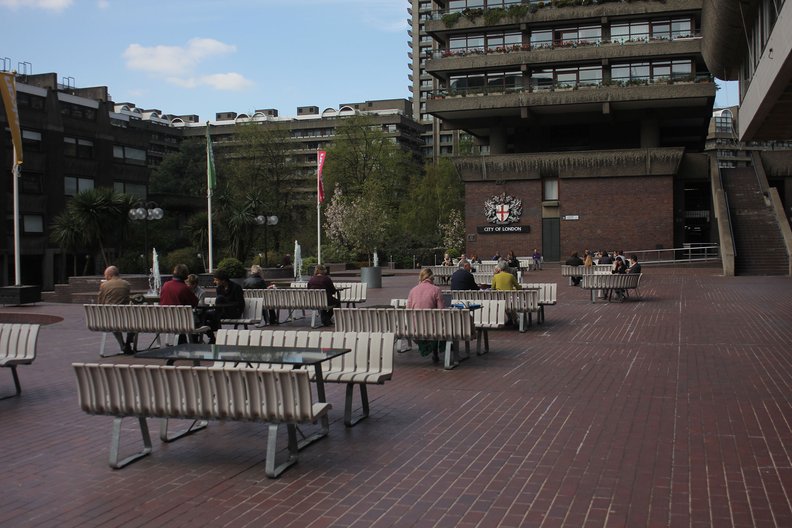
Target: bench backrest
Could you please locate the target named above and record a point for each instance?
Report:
(492, 313)
(153, 318)
(354, 292)
(290, 298)
(194, 392)
(548, 291)
(18, 342)
(448, 324)
(517, 301)
(484, 268)
(582, 271)
(483, 277)
(372, 352)
(253, 307)
(616, 280)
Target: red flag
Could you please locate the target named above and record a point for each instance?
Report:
(320, 159)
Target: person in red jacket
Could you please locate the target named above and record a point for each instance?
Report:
(176, 291)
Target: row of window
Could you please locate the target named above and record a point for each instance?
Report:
(643, 72)
(82, 148)
(665, 29)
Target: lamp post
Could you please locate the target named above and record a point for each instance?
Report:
(146, 211)
(266, 220)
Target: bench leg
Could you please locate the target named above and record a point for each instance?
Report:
(102, 348)
(540, 315)
(270, 468)
(350, 390)
(483, 334)
(16, 383)
(116, 440)
(450, 361)
(195, 426)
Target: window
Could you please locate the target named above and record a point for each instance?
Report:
(550, 189)
(74, 184)
(130, 155)
(133, 189)
(486, 82)
(31, 140)
(541, 39)
(723, 122)
(78, 147)
(30, 101)
(659, 71)
(30, 182)
(547, 78)
(33, 223)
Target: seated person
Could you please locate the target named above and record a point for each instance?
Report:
(574, 260)
(503, 280)
(512, 260)
(321, 281)
(426, 295)
(255, 281)
(115, 290)
(447, 261)
(193, 282)
(176, 292)
(463, 279)
(230, 300)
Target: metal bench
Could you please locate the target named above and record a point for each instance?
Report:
(548, 295)
(490, 315)
(291, 299)
(609, 283)
(141, 318)
(521, 303)
(582, 271)
(369, 363)
(250, 316)
(450, 325)
(17, 347)
(349, 293)
(200, 393)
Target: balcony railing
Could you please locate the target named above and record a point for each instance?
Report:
(554, 85)
(514, 9)
(555, 44)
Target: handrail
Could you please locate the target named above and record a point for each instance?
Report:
(689, 253)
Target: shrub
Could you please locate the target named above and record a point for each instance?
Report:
(308, 265)
(187, 256)
(234, 268)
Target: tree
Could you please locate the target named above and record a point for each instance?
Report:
(432, 197)
(182, 172)
(92, 217)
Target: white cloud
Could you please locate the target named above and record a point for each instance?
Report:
(103, 4)
(49, 5)
(178, 64)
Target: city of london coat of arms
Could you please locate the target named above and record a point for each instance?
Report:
(503, 209)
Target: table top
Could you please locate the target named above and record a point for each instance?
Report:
(249, 354)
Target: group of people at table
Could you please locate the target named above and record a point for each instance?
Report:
(184, 288)
(616, 259)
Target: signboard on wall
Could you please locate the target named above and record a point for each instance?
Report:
(500, 229)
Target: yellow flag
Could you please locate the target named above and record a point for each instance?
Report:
(8, 90)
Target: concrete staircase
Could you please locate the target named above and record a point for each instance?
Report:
(759, 245)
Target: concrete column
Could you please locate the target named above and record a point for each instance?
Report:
(497, 141)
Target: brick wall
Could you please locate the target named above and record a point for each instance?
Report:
(629, 213)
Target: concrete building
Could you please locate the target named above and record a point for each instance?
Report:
(78, 138)
(589, 117)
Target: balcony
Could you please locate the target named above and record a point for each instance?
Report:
(610, 163)
(537, 12)
(466, 107)
(444, 62)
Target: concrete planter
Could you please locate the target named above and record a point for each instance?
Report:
(20, 294)
(372, 276)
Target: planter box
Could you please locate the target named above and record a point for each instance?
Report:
(20, 294)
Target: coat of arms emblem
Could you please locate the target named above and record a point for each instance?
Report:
(503, 209)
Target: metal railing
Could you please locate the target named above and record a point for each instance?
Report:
(687, 254)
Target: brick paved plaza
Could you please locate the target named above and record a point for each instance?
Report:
(673, 411)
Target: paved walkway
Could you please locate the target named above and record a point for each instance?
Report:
(672, 411)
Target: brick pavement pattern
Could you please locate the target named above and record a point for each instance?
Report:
(672, 411)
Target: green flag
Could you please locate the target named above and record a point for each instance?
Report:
(211, 179)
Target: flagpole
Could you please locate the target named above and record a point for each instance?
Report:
(17, 257)
(318, 211)
(210, 183)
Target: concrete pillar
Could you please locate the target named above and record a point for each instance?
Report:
(497, 141)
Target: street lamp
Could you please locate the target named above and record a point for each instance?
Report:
(266, 220)
(146, 211)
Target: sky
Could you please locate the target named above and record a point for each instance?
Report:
(207, 56)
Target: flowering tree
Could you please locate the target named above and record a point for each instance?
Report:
(453, 231)
(359, 223)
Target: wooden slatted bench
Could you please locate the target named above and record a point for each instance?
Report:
(17, 347)
(369, 363)
(250, 316)
(490, 315)
(349, 293)
(522, 303)
(450, 325)
(582, 271)
(141, 318)
(548, 295)
(292, 299)
(615, 281)
(200, 393)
